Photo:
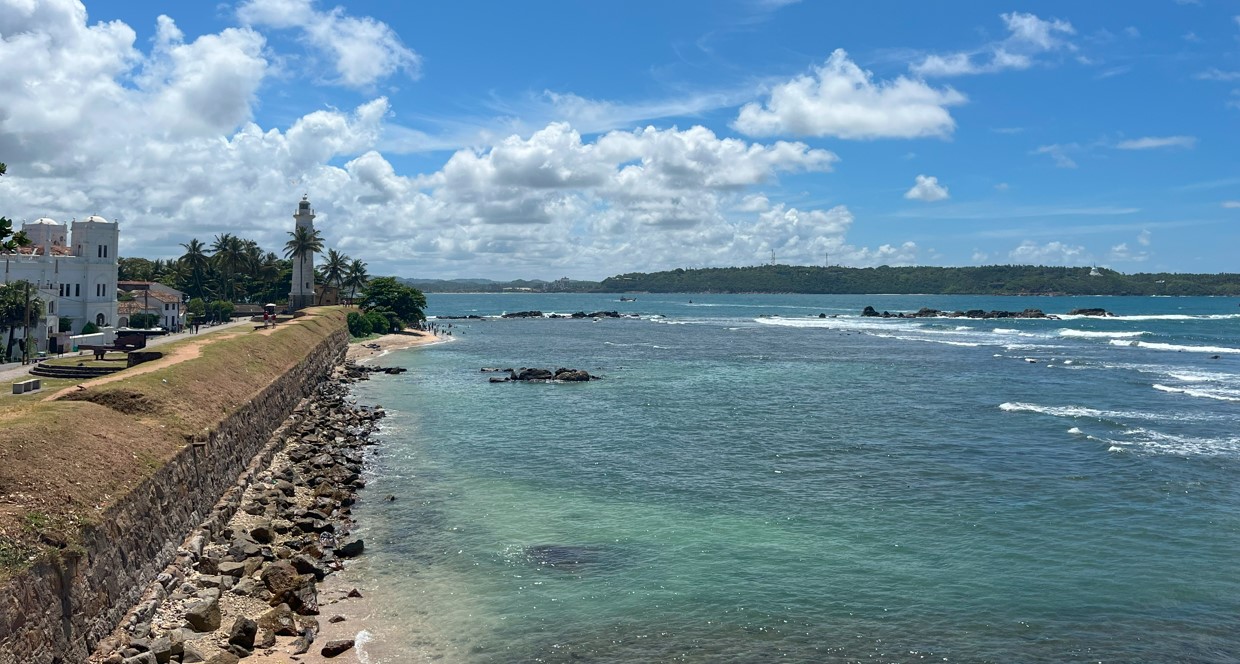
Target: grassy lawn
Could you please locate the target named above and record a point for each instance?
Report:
(66, 461)
(87, 360)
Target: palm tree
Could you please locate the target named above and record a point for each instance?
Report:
(355, 277)
(303, 243)
(229, 256)
(196, 260)
(334, 267)
(19, 307)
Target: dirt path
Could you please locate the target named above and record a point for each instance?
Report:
(187, 352)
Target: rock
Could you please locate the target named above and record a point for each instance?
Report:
(524, 314)
(144, 658)
(354, 593)
(1090, 312)
(266, 639)
(263, 533)
(869, 311)
(224, 658)
(534, 374)
(114, 658)
(279, 620)
(243, 632)
(572, 375)
(301, 645)
(232, 569)
(204, 616)
(192, 655)
(162, 649)
(245, 587)
(336, 619)
(351, 550)
(289, 587)
(304, 565)
(240, 651)
(337, 647)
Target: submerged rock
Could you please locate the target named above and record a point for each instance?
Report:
(563, 556)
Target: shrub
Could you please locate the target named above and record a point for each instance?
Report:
(378, 322)
(143, 321)
(66, 325)
(90, 328)
(359, 325)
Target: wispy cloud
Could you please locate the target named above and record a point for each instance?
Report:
(1028, 37)
(1231, 205)
(998, 212)
(1059, 152)
(1156, 142)
(1216, 74)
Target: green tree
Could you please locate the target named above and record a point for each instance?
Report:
(359, 325)
(355, 278)
(335, 267)
(303, 242)
(195, 258)
(406, 304)
(10, 241)
(143, 321)
(19, 307)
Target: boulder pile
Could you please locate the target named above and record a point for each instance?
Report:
(527, 374)
(927, 312)
(251, 585)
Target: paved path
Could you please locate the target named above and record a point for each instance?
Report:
(17, 370)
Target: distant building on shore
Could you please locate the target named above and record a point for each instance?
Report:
(302, 293)
(73, 272)
(152, 297)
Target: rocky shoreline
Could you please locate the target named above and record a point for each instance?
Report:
(244, 582)
(927, 312)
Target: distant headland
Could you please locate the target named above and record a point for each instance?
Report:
(984, 280)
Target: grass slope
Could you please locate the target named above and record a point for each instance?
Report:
(64, 462)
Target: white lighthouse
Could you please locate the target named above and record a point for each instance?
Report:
(302, 293)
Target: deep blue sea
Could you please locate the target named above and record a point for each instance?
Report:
(751, 482)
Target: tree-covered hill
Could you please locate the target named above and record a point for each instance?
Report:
(987, 280)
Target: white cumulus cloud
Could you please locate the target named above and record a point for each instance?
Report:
(840, 99)
(1051, 253)
(165, 141)
(926, 188)
(362, 50)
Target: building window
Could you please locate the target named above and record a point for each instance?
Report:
(77, 290)
(100, 320)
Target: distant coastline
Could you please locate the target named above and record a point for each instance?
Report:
(1016, 280)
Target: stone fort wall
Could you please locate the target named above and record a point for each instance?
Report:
(58, 611)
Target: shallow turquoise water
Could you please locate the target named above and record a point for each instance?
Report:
(752, 482)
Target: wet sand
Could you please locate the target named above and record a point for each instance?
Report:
(372, 349)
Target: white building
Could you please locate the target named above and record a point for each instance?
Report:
(74, 272)
(152, 297)
(301, 295)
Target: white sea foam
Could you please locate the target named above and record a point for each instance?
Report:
(1075, 431)
(1151, 345)
(1166, 443)
(1116, 416)
(359, 646)
(1152, 317)
(1115, 448)
(1218, 395)
(1101, 334)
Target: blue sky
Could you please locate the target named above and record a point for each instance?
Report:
(585, 139)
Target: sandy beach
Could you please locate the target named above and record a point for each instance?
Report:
(356, 612)
(372, 349)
